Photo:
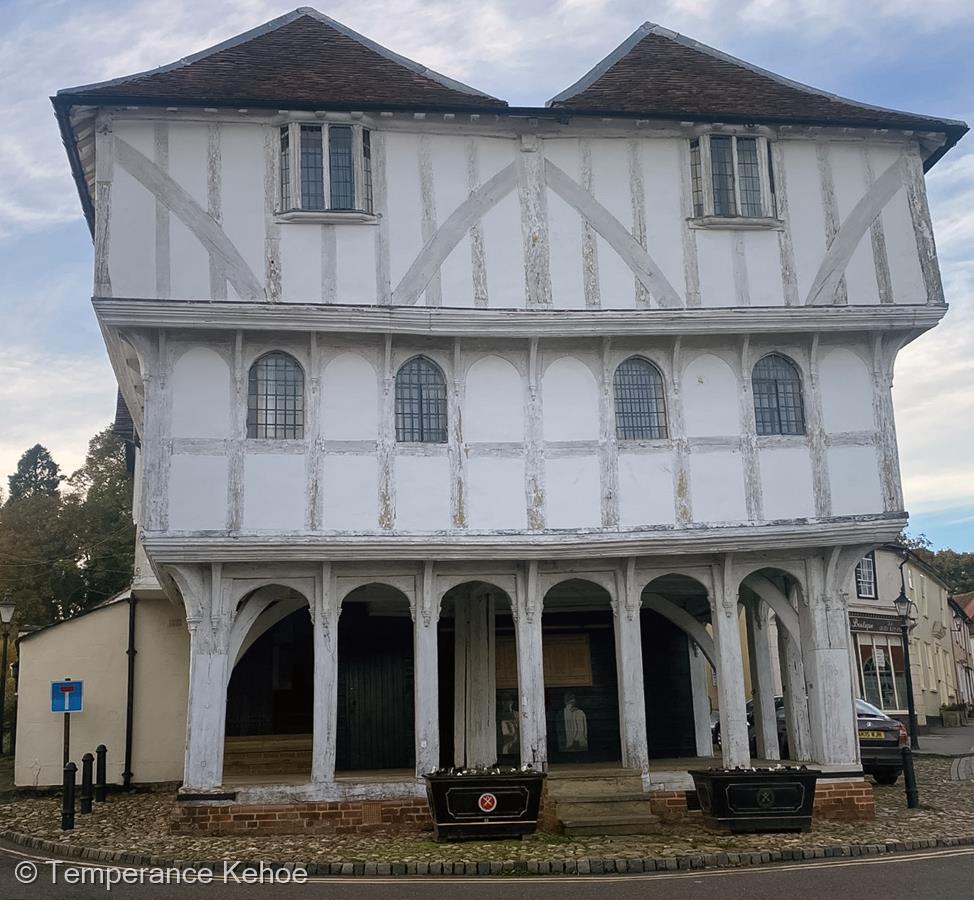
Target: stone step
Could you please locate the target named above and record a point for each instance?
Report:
(645, 823)
(562, 788)
(595, 807)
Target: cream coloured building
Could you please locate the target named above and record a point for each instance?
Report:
(466, 430)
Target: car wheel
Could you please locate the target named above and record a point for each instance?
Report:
(886, 777)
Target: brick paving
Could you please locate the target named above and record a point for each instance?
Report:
(140, 824)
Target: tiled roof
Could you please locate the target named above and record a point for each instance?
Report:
(302, 58)
(659, 72)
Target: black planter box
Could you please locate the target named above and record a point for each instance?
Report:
(757, 799)
(476, 807)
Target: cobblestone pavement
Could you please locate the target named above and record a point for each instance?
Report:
(139, 823)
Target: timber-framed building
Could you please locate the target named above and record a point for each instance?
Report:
(468, 432)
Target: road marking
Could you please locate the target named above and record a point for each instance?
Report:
(762, 869)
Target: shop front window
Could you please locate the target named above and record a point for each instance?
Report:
(881, 673)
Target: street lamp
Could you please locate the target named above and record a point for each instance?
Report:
(903, 606)
(7, 608)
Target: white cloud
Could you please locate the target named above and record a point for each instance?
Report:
(58, 401)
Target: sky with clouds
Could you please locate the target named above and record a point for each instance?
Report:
(56, 386)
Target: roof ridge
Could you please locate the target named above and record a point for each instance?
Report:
(648, 28)
(274, 25)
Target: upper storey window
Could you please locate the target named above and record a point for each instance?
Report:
(420, 402)
(777, 388)
(325, 168)
(275, 397)
(866, 577)
(640, 401)
(731, 177)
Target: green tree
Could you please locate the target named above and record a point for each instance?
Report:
(37, 475)
(97, 513)
(957, 569)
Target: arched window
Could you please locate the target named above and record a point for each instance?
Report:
(777, 388)
(640, 401)
(275, 397)
(420, 402)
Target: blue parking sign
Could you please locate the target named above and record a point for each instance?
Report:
(66, 696)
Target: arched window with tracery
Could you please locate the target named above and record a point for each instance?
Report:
(420, 402)
(777, 387)
(275, 397)
(640, 401)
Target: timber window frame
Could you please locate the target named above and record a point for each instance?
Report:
(324, 173)
(732, 181)
(421, 402)
(866, 577)
(275, 397)
(639, 395)
(776, 387)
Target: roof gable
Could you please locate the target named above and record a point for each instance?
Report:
(303, 57)
(656, 71)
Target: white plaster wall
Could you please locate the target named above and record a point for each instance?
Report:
(854, 478)
(493, 406)
(355, 252)
(849, 179)
(449, 163)
(132, 238)
(715, 255)
(422, 493)
(572, 493)
(495, 494)
(806, 216)
(612, 188)
(242, 192)
(571, 401)
(91, 648)
(717, 487)
(660, 164)
(301, 263)
(709, 391)
(847, 392)
(763, 256)
(403, 201)
(786, 483)
(200, 395)
(646, 489)
(189, 261)
(197, 493)
(349, 399)
(901, 247)
(351, 493)
(274, 492)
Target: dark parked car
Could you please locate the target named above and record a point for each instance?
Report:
(881, 739)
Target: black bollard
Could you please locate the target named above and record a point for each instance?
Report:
(910, 779)
(87, 762)
(67, 803)
(101, 788)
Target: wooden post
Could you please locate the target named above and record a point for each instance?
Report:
(699, 678)
(796, 701)
(730, 680)
(762, 682)
(629, 670)
(526, 610)
(426, 680)
(325, 613)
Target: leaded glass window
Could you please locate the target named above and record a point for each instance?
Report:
(777, 390)
(341, 167)
(275, 397)
(722, 168)
(318, 165)
(367, 170)
(640, 402)
(420, 402)
(731, 176)
(312, 187)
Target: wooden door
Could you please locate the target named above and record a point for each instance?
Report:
(375, 691)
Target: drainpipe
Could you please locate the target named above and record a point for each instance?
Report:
(130, 695)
